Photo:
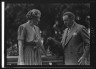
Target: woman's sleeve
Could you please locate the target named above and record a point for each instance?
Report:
(21, 36)
(21, 33)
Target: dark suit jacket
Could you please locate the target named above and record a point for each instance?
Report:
(76, 44)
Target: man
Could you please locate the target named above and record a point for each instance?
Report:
(75, 41)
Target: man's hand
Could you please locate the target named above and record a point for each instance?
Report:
(82, 61)
(47, 55)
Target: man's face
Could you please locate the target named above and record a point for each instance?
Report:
(66, 20)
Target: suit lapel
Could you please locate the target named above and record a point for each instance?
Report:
(74, 28)
(64, 37)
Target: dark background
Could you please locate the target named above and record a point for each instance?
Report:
(50, 13)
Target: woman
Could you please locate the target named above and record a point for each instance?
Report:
(29, 40)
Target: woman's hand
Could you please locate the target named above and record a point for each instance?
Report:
(21, 63)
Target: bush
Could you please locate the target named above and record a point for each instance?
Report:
(13, 51)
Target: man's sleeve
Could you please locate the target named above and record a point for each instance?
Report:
(86, 39)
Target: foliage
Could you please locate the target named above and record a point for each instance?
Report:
(13, 51)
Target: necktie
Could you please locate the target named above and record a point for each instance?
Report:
(65, 38)
(66, 35)
(68, 32)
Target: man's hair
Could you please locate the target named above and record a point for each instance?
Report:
(70, 15)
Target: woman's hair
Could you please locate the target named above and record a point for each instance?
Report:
(34, 13)
(70, 15)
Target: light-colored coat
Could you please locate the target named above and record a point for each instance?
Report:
(76, 44)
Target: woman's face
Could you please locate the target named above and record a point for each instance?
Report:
(36, 20)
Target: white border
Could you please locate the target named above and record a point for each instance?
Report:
(3, 5)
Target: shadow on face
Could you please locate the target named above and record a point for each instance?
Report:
(66, 20)
(36, 20)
